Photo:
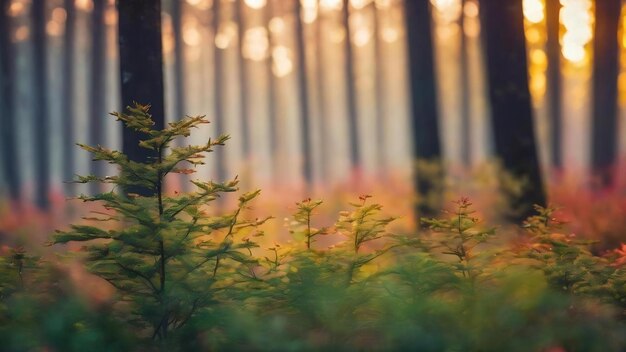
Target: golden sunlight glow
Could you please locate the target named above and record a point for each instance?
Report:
(447, 11)
(535, 30)
(110, 16)
(54, 28)
(390, 34)
(167, 33)
(533, 35)
(17, 8)
(538, 57)
(256, 4)
(362, 36)
(362, 32)
(191, 35)
(329, 5)
(85, 5)
(338, 34)
(471, 9)
(577, 19)
(59, 14)
(359, 4)
(255, 44)
(168, 43)
(277, 25)
(471, 24)
(623, 30)
(534, 10)
(282, 64)
(309, 11)
(201, 4)
(21, 33)
(382, 4)
(226, 35)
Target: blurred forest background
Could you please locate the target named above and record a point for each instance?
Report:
(324, 95)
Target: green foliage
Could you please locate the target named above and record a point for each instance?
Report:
(458, 236)
(315, 298)
(38, 310)
(15, 265)
(191, 279)
(568, 263)
(303, 217)
(454, 294)
(165, 255)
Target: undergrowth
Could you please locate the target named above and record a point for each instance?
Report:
(187, 279)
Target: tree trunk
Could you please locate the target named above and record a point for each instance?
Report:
(179, 69)
(68, 97)
(218, 88)
(141, 66)
(380, 88)
(98, 91)
(514, 133)
(179, 73)
(40, 100)
(553, 9)
(243, 80)
(353, 128)
(605, 72)
(465, 144)
(271, 94)
(7, 118)
(424, 118)
(303, 92)
(321, 102)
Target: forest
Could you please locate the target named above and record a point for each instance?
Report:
(312, 175)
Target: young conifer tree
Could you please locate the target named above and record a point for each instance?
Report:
(166, 256)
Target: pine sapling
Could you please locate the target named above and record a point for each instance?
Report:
(164, 253)
(303, 217)
(458, 236)
(362, 225)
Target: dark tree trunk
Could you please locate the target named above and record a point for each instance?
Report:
(141, 66)
(179, 68)
(218, 88)
(424, 118)
(7, 117)
(97, 89)
(553, 9)
(40, 100)
(68, 96)
(605, 72)
(465, 142)
(355, 157)
(243, 80)
(303, 92)
(512, 117)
